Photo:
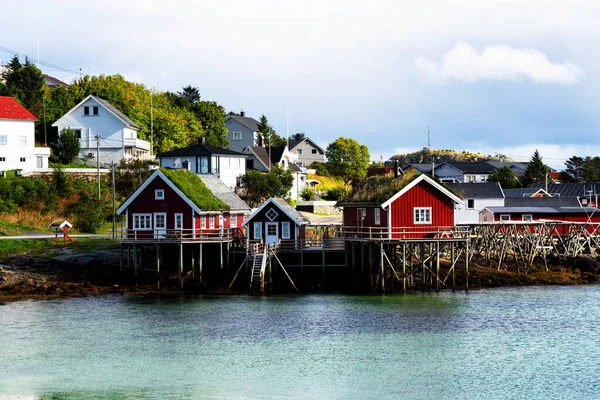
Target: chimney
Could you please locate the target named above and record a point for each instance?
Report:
(201, 140)
(242, 113)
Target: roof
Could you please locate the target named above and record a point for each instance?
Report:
(541, 202)
(570, 189)
(118, 113)
(415, 182)
(200, 150)
(283, 205)
(478, 190)
(543, 210)
(222, 191)
(513, 165)
(54, 80)
(248, 122)
(530, 192)
(187, 185)
(11, 109)
(294, 143)
(419, 167)
(473, 167)
(263, 154)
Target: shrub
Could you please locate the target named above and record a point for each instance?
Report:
(336, 193)
(90, 218)
(308, 194)
(68, 146)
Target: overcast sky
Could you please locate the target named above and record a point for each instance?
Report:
(491, 76)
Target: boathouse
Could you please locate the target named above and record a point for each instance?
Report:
(275, 221)
(177, 203)
(412, 206)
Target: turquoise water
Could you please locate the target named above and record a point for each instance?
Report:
(531, 343)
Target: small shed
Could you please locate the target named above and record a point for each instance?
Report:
(274, 221)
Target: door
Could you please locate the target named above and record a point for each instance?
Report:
(160, 225)
(39, 162)
(272, 233)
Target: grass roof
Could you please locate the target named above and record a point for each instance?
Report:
(378, 189)
(193, 187)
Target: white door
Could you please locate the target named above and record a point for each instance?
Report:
(272, 234)
(160, 225)
(39, 162)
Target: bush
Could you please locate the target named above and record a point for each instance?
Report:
(336, 193)
(90, 218)
(308, 194)
(68, 146)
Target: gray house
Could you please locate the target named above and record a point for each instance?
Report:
(241, 132)
(306, 151)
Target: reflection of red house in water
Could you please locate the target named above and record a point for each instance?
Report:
(399, 208)
(177, 203)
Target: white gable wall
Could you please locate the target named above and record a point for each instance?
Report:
(14, 150)
(464, 215)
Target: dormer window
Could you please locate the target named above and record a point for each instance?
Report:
(86, 110)
(95, 109)
(159, 194)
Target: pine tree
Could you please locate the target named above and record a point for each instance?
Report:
(536, 170)
(267, 136)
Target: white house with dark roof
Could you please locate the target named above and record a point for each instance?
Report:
(95, 119)
(306, 151)
(203, 159)
(242, 131)
(476, 199)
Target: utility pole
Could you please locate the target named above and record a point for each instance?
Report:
(44, 109)
(151, 124)
(114, 213)
(98, 162)
(270, 162)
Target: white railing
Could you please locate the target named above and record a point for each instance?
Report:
(138, 143)
(177, 235)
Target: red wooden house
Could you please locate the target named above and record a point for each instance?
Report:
(274, 221)
(399, 208)
(178, 204)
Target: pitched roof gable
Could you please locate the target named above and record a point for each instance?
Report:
(11, 109)
(491, 190)
(262, 153)
(283, 205)
(415, 182)
(293, 143)
(222, 191)
(107, 106)
(187, 185)
(248, 122)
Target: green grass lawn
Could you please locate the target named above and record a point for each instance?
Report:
(43, 247)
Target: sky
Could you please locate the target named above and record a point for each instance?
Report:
(492, 76)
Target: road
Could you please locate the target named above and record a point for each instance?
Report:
(46, 236)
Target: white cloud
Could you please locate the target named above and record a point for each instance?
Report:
(464, 63)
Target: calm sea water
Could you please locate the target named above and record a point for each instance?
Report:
(532, 343)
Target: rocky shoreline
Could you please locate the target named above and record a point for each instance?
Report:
(97, 273)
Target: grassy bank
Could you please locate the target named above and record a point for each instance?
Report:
(47, 248)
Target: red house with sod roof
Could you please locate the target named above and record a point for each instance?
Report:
(178, 204)
(421, 208)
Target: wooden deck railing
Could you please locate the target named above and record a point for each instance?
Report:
(182, 235)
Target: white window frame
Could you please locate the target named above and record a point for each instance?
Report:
(203, 222)
(159, 194)
(86, 110)
(3, 140)
(142, 217)
(377, 213)
(22, 141)
(422, 213)
(299, 152)
(178, 226)
(284, 226)
(233, 221)
(95, 110)
(504, 217)
(236, 137)
(211, 222)
(523, 217)
(258, 231)
(473, 207)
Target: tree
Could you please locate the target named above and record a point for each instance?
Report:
(536, 170)
(575, 168)
(267, 136)
(32, 86)
(212, 117)
(505, 176)
(298, 136)
(129, 175)
(191, 94)
(259, 185)
(347, 159)
(68, 146)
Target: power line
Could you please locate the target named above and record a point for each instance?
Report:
(46, 64)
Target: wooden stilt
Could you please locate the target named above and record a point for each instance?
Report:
(135, 265)
(200, 262)
(301, 263)
(193, 262)
(323, 272)
(181, 266)
(437, 266)
(381, 267)
(221, 254)
(453, 266)
(158, 267)
(404, 267)
(467, 267)
(128, 258)
(121, 260)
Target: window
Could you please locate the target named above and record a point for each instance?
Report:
(258, 230)
(237, 135)
(3, 140)
(271, 214)
(300, 164)
(179, 221)
(483, 178)
(159, 194)
(22, 141)
(314, 151)
(271, 229)
(470, 204)
(160, 221)
(77, 133)
(299, 151)
(202, 222)
(211, 221)
(86, 110)
(95, 108)
(504, 217)
(422, 215)
(203, 165)
(2, 159)
(217, 165)
(142, 221)
(233, 221)
(377, 216)
(285, 230)
(470, 178)
(22, 159)
(527, 217)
